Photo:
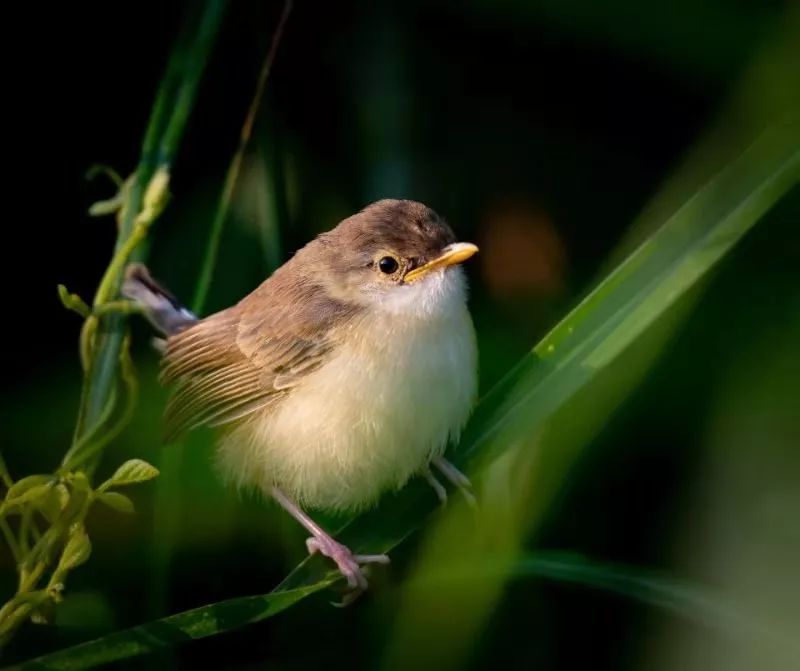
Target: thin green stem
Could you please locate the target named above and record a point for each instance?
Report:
(75, 454)
(109, 285)
(24, 523)
(16, 552)
(104, 348)
(13, 618)
(5, 475)
(92, 441)
(164, 132)
(194, 63)
(232, 175)
(98, 169)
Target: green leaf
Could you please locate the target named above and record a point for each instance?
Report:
(695, 602)
(56, 500)
(30, 495)
(191, 624)
(34, 489)
(22, 487)
(79, 483)
(131, 472)
(76, 551)
(118, 502)
(72, 514)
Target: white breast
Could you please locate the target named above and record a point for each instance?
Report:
(402, 382)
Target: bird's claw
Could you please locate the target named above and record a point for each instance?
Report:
(438, 487)
(349, 564)
(456, 478)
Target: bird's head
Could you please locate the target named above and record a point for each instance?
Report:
(395, 255)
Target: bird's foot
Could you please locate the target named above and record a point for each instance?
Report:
(349, 564)
(456, 478)
(438, 487)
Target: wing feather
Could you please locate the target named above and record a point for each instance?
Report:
(248, 357)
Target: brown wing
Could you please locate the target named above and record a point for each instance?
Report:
(247, 357)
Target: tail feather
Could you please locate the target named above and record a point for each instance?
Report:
(160, 307)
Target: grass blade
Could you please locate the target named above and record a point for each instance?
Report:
(694, 602)
(169, 631)
(232, 175)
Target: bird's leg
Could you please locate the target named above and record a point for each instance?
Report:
(441, 492)
(349, 564)
(456, 478)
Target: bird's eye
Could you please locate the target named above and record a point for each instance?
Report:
(388, 265)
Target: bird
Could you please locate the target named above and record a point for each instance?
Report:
(343, 375)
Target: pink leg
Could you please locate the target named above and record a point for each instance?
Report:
(349, 564)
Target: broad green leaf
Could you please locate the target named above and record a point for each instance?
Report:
(131, 472)
(76, 551)
(191, 624)
(608, 320)
(118, 502)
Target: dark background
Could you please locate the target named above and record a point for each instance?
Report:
(539, 130)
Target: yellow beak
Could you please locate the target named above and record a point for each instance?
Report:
(458, 252)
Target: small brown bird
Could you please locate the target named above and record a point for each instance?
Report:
(343, 375)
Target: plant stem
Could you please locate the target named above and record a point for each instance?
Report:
(5, 474)
(165, 129)
(232, 175)
(108, 371)
(11, 541)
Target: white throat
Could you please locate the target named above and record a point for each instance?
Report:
(433, 297)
